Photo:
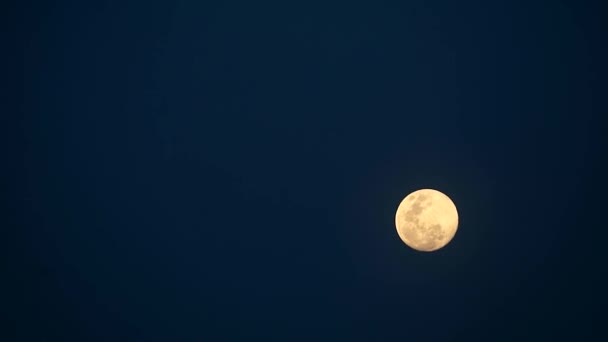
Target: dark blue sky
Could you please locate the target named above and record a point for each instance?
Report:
(230, 170)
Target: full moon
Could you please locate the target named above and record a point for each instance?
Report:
(426, 220)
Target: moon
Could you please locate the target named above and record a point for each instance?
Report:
(426, 220)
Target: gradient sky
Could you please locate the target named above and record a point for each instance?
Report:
(230, 170)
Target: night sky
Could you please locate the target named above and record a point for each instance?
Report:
(230, 170)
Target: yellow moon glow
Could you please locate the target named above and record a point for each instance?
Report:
(426, 220)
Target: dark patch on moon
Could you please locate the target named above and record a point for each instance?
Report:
(435, 233)
(426, 237)
(417, 207)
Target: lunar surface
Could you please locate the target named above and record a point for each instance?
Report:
(426, 220)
